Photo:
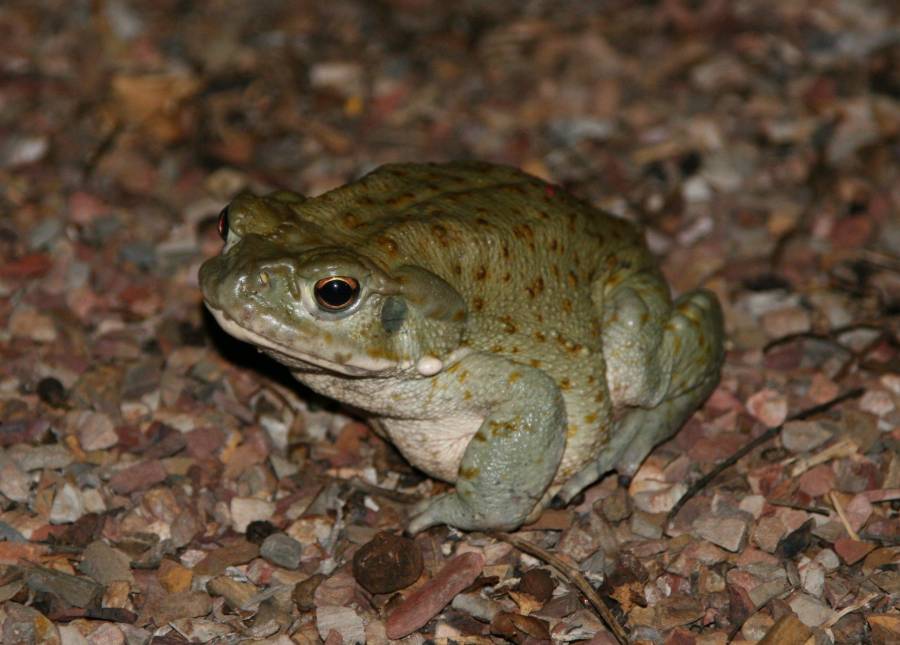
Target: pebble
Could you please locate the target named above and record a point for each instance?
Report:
(140, 476)
(767, 532)
(105, 564)
(785, 322)
(828, 559)
(811, 611)
(769, 406)
(51, 391)
(726, 532)
(67, 505)
(95, 430)
(852, 551)
(617, 506)
(804, 436)
(28, 322)
(282, 550)
(426, 601)
(877, 402)
(387, 563)
(245, 510)
(342, 620)
(812, 577)
(14, 483)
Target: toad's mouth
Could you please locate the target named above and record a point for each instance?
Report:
(343, 361)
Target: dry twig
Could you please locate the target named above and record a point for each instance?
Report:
(574, 576)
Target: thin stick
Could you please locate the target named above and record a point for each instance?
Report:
(840, 511)
(701, 483)
(574, 576)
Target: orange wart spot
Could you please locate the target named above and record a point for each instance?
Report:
(482, 222)
(598, 397)
(590, 418)
(467, 395)
(534, 362)
(463, 376)
(387, 244)
(539, 336)
(477, 303)
(457, 269)
(480, 273)
(567, 305)
(508, 325)
(645, 318)
(514, 376)
(440, 233)
(459, 316)
(479, 436)
(676, 344)
(507, 277)
(571, 431)
(572, 279)
(565, 384)
(349, 219)
(502, 428)
(468, 473)
(496, 349)
(505, 250)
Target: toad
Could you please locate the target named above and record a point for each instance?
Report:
(505, 336)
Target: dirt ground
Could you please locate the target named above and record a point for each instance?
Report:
(162, 483)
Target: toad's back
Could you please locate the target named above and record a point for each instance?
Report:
(529, 259)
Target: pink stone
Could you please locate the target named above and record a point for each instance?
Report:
(769, 406)
(425, 602)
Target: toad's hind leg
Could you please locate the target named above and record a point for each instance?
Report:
(660, 369)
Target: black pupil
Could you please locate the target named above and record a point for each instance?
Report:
(335, 293)
(223, 223)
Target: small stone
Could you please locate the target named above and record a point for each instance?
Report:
(387, 563)
(305, 591)
(165, 608)
(216, 561)
(617, 506)
(538, 583)
(342, 620)
(803, 436)
(52, 392)
(235, 592)
(787, 630)
(53, 457)
(885, 627)
(852, 551)
(757, 626)
(245, 510)
(828, 559)
(812, 577)
(809, 610)
(763, 593)
(282, 550)
(426, 601)
(140, 476)
(107, 634)
(647, 525)
(173, 577)
(785, 322)
(26, 625)
(726, 532)
(877, 402)
(105, 564)
(95, 430)
(27, 322)
(14, 483)
(767, 532)
(769, 406)
(68, 505)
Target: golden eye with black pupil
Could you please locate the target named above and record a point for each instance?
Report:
(222, 226)
(336, 293)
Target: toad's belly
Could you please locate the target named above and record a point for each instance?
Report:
(435, 446)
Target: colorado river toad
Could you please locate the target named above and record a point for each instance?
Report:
(504, 335)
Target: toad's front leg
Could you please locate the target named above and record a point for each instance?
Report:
(512, 459)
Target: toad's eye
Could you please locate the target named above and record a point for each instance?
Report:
(223, 223)
(336, 293)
